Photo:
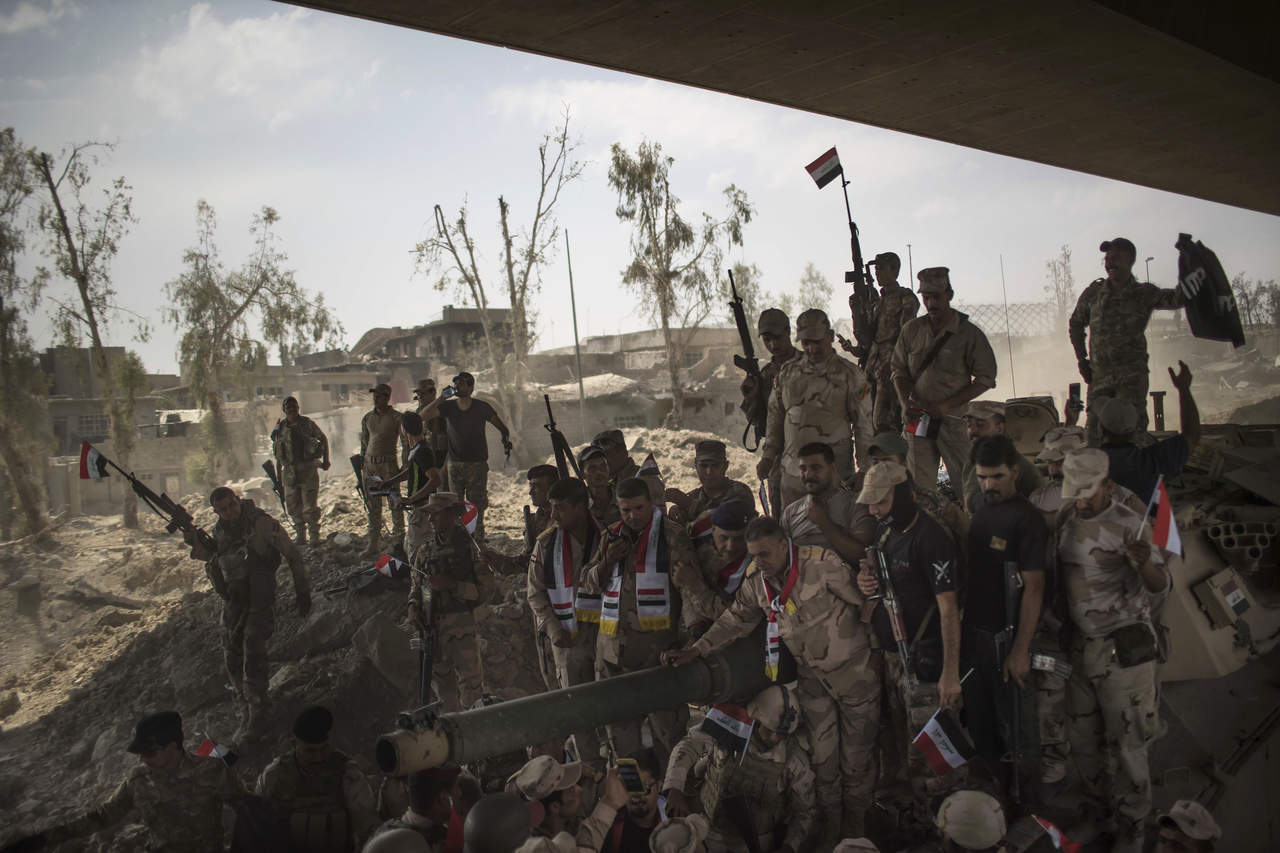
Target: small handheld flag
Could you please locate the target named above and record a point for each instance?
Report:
(730, 726)
(470, 515)
(391, 567)
(943, 743)
(93, 465)
(210, 748)
(1059, 839)
(1164, 529)
(825, 168)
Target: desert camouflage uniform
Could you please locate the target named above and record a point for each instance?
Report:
(895, 307)
(965, 357)
(576, 664)
(769, 375)
(182, 809)
(606, 512)
(777, 784)
(458, 673)
(298, 449)
(327, 808)
(843, 509)
(839, 692)
(1113, 711)
(379, 433)
(828, 402)
(1117, 318)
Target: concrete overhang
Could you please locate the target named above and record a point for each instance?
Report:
(1180, 95)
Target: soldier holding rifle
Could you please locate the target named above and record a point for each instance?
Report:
(301, 450)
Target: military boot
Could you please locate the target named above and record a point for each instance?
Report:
(299, 534)
(314, 528)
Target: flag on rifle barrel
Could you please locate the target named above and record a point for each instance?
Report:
(93, 465)
(943, 743)
(1211, 305)
(730, 726)
(1059, 839)
(470, 515)
(1164, 528)
(825, 168)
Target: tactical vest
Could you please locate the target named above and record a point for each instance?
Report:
(314, 807)
(757, 780)
(452, 560)
(235, 557)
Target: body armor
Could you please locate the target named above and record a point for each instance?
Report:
(452, 560)
(315, 811)
(756, 779)
(239, 550)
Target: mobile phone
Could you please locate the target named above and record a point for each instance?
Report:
(629, 773)
(1073, 393)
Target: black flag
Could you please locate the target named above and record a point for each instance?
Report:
(1211, 306)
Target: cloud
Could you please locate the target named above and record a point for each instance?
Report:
(34, 16)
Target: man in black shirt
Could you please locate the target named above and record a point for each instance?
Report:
(1006, 559)
(1139, 468)
(636, 821)
(421, 475)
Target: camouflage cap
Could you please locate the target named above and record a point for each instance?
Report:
(1192, 820)
(934, 280)
(155, 731)
(776, 708)
(812, 325)
(1117, 416)
(679, 835)
(887, 259)
(856, 845)
(542, 471)
(1083, 472)
(710, 449)
(1123, 244)
(610, 438)
(443, 500)
(381, 388)
(774, 321)
(889, 442)
(880, 480)
(1060, 441)
(543, 776)
(981, 410)
(972, 819)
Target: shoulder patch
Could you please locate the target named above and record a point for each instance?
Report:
(815, 552)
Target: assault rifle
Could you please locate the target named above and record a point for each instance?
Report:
(560, 445)
(1003, 641)
(357, 465)
(749, 364)
(893, 608)
(270, 467)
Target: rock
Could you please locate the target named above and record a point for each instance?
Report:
(114, 618)
(9, 704)
(282, 677)
(386, 645)
(324, 631)
(198, 680)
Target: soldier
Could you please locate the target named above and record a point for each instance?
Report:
(465, 418)
(771, 779)
(1111, 574)
(775, 333)
(643, 571)
(1115, 310)
(421, 475)
(821, 397)
(540, 478)
(621, 465)
(636, 822)
(892, 447)
(680, 835)
(896, 306)
(985, 418)
(434, 431)
(806, 597)
(594, 464)
(921, 561)
(711, 462)
(940, 363)
(176, 795)
(969, 820)
(1005, 568)
(829, 515)
(555, 786)
(379, 431)
(724, 561)
(300, 447)
(448, 582)
(324, 798)
(556, 569)
(1188, 827)
(1140, 468)
(250, 545)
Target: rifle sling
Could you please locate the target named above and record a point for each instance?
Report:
(930, 356)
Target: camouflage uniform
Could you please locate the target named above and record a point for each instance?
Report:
(379, 433)
(298, 450)
(1117, 317)
(329, 808)
(437, 438)
(626, 472)
(839, 691)
(458, 673)
(828, 402)
(777, 783)
(965, 357)
(470, 481)
(769, 376)
(1113, 711)
(182, 809)
(845, 512)
(605, 512)
(895, 307)
(701, 501)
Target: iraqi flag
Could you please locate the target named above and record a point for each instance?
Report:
(470, 515)
(730, 726)
(1164, 530)
(825, 168)
(210, 748)
(649, 467)
(943, 743)
(390, 566)
(93, 465)
(1059, 839)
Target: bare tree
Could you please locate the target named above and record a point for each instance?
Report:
(82, 242)
(675, 268)
(1061, 286)
(815, 290)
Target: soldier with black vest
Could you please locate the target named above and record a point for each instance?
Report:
(322, 798)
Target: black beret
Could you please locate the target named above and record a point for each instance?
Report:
(155, 731)
(312, 724)
(732, 515)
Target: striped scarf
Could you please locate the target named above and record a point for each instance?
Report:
(653, 581)
(566, 602)
(779, 601)
(730, 577)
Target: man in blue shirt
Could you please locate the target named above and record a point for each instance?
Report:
(1139, 468)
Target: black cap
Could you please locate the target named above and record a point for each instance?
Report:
(155, 731)
(543, 471)
(732, 515)
(312, 724)
(463, 375)
(1121, 243)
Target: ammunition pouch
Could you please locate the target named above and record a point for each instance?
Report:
(1134, 644)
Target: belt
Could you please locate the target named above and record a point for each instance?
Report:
(378, 459)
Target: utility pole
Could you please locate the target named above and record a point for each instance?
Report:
(911, 269)
(577, 350)
(1148, 262)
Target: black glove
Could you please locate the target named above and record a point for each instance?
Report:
(1086, 370)
(22, 845)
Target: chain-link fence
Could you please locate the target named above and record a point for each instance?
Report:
(1025, 319)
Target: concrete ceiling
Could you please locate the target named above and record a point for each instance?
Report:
(1178, 95)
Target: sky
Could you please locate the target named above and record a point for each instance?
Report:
(354, 130)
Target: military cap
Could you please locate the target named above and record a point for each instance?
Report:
(856, 845)
(981, 410)
(1122, 244)
(889, 442)
(610, 438)
(543, 776)
(775, 708)
(732, 515)
(155, 731)
(971, 819)
(1083, 473)
(888, 259)
(312, 724)
(679, 835)
(381, 388)
(543, 471)
(591, 451)
(934, 280)
(442, 501)
(463, 375)
(561, 842)
(709, 449)
(1117, 416)
(774, 321)
(812, 324)
(1060, 441)
(880, 480)
(1192, 820)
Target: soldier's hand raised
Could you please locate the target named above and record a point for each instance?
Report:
(613, 791)
(1182, 379)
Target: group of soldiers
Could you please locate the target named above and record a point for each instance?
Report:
(1019, 609)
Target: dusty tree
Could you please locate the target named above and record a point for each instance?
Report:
(452, 253)
(675, 266)
(82, 242)
(1060, 287)
(231, 320)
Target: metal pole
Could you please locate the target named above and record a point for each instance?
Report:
(1008, 338)
(577, 350)
(911, 268)
(1148, 263)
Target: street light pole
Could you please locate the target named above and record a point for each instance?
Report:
(1148, 262)
(911, 267)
